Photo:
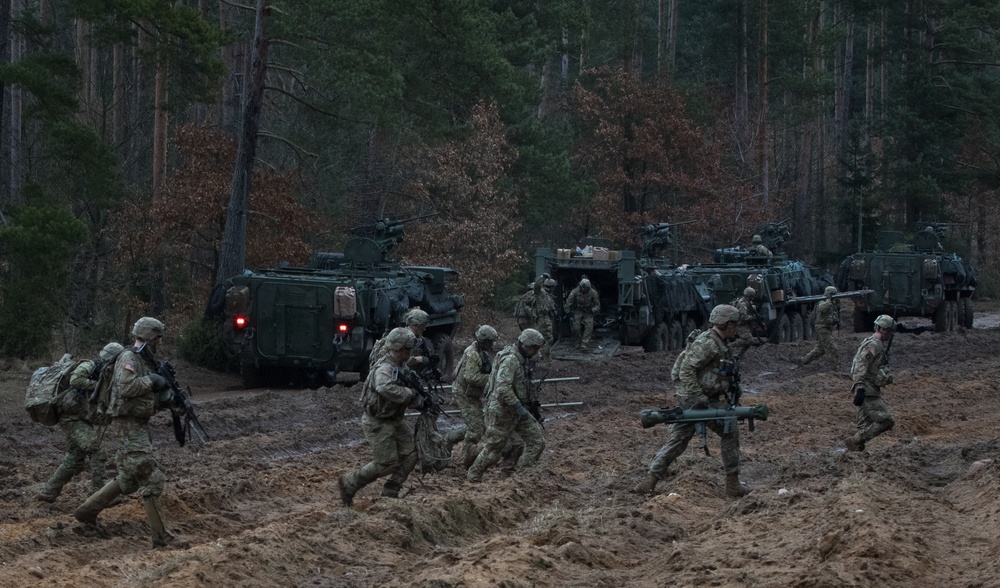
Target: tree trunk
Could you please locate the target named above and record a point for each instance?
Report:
(764, 147)
(5, 20)
(16, 53)
(232, 255)
(742, 100)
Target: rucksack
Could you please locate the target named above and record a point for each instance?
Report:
(46, 388)
(100, 398)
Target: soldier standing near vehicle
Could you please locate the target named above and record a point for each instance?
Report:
(524, 310)
(509, 396)
(827, 316)
(748, 314)
(385, 398)
(757, 247)
(422, 356)
(706, 374)
(78, 422)
(545, 309)
(582, 304)
(137, 393)
(868, 372)
(471, 376)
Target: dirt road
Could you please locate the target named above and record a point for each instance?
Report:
(919, 507)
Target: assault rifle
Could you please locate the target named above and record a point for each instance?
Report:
(431, 404)
(180, 404)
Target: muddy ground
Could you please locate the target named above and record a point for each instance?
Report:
(259, 502)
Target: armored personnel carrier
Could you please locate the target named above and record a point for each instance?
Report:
(302, 325)
(643, 300)
(917, 279)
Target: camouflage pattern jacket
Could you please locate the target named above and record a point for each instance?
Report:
(748, 312)
(131, 390)
(583, 302)
(472, 372)
(384, 396)
(510, 381)
(867, 370)
(699, 372)
(827, 314)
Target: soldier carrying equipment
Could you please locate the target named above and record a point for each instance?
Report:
(179, 402)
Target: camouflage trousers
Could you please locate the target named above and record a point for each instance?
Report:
(825, 344)
(582, 326)
(680, 435)
(501, 427)
(84, 442)
(471, 408)
(873, 419)
(395, 453)
(545, 327)
(137, 468)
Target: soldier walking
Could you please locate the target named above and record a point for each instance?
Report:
(137, 393)
(79, 423)
(748, 314)
(385, 398)
(545, 309)
(868, 372)
(471, 376)
(509, 394)
(582, 304)
(524, 310)
(827, 315)
(705, 374)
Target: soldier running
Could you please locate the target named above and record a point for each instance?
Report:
(868, 372)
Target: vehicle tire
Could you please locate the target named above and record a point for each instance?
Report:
(863, 322)
(941, 317)
(782, 330)
(250, 374)
(953, 309)
(798, 327)
(446, 351)
(966, 314)
(658, 339)
(676, 337)
(689, 325)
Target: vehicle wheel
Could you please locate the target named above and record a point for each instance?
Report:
(689, 325)
(953, 309)
(250, 374)
(658, 339)
(863, 322)
(941, 317)
(797, 327)
(676, 337)
(446, 351)
(966, 314)
(782, 331)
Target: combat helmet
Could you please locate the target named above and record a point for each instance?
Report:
(531, 338)
(585, 284)
(756, 239)
(486, 333)
(110, 350)
(148, 328)
(400, 338)
(724, 313)
(885, 321)
(417, 317)
(549, 283)
(749, 292)
(830, 290)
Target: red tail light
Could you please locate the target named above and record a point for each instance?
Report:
(343, 328)
(240, 323)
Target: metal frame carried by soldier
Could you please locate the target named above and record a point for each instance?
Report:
(707, 376)
(869, 375)
(137, 393)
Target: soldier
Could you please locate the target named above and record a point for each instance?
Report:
(137, 393)
(705, 376)
(471, 375)
(509, 394)
(757, 247)
(545, 308)
(869, 375)
(748, 314)
(83, 435)
(524, 310)
(583, 302)
(827, 315)
(385, 398)
(422, 356)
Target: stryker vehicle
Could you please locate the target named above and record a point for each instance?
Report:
(643, 301)
(787, 291)
(302, 325)
(917, 279)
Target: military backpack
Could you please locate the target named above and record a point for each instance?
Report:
(46, 388)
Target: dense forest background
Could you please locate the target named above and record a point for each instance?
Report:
(150, 149)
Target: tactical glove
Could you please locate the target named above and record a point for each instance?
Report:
(521, 411)
(158, 382)
(859, 396)
(164, 397)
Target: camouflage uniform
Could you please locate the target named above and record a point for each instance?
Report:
(471, 376)
(133, 403)
(508, 391)
(583, 306)
(760, 250)
(867, 372)
(748, 314)
(524, 311)
(379, 351)
(545, 308)
(82, 433)
(385, 400)
(701, 386)
(827, 319)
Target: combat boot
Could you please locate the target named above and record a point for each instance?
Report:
(733, 488)
(854, 444)
(53, 487)
(470, 451)
(158, 528)
(98, 501)
(346, 490)
(647, 486)
(391, 489)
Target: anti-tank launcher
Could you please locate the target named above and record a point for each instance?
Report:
(650, 417)
(656, 237)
